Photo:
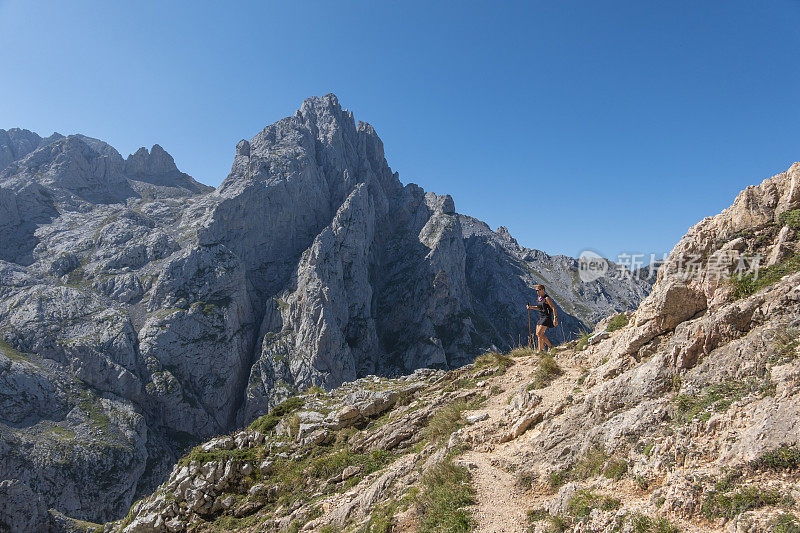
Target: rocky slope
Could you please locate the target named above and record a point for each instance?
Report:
(682, 415)
(142, 312)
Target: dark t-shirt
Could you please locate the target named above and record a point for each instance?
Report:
(545, 311)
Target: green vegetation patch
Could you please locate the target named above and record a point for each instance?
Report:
(76, 278)
(641, 523)
(618, 322)
(210, 307)
(494, 359)
(245, 455)
(268, 422)
(558, 524)
(446, 490)
(615, 469)
(790, 218)
(12, 353)
(226, 523)
(333, 463)
(90, 404)
(728, 504)
(546, 371)
(62, 433)
(784, 346)
(581, 505)
(445, 420)
(785, 523)
(296, 480)
(381, 519)
(750, 283)
(521, 351)
(583, 340)
(782, 458)
(717, 397)
(593, 463)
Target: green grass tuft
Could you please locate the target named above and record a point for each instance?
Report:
(11, 352)
(785, 523)
(521, 351)
(641, 523)
(591, 464)
(583, 340)
(615, 469)
(494, 359)
(584, 501)
(268, 422)
(748, 283)
(557, 524)
(717, 397)
(546, 370)
(790, 218)
(446, 491)
(783, 458)
(784, 346)
(618, 322)
(723, 501)
(381, 520)
(445, 420)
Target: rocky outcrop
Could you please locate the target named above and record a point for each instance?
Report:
(23, 510)
(368, 437)
(142, 312)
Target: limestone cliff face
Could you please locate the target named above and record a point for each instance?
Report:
(141, 311)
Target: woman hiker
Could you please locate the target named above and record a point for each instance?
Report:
(547, 316)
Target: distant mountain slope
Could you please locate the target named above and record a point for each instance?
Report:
(141, 311)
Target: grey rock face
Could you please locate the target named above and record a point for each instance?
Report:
(17, 143)
(180, 312)
(22, 510)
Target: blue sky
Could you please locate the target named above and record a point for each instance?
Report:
(609, 125)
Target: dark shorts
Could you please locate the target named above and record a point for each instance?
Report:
(546, 321)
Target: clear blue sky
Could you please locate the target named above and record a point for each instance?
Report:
(579, 124)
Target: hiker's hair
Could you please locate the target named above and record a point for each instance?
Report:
(539, 286)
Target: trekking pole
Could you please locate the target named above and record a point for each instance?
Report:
(530, 338)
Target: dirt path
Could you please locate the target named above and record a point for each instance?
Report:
(502, 504)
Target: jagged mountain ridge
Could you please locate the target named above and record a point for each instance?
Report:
(144, 311)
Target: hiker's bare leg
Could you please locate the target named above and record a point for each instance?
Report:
(540, 333)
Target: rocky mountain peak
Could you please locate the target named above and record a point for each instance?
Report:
(16, 143)
(158, 167)
(74, 166)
